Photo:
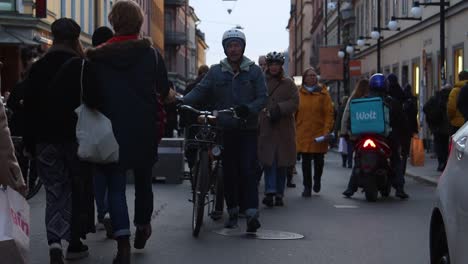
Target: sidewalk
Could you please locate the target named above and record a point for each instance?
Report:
(427, 173)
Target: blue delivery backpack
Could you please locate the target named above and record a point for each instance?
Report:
(369, 116)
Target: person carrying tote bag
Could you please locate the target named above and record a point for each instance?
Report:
(96, 140)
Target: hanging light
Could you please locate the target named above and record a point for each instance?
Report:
(361, 42)
(416, 10)
(393, 25)
(332, 6)
(341, 54)
(349, 49)
(375, 35)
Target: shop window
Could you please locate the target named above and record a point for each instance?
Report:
(7, 5)
(416, 79)
(458, 59)
(404, 74)
(404, 7)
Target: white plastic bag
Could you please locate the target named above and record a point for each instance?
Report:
(14, 227)
(343, 146)
(96, 140)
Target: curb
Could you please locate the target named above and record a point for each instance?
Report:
(424, 179)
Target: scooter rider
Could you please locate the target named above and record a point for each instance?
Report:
(378, 88)
(236, 82)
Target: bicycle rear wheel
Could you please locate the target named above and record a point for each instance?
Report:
(199, 195)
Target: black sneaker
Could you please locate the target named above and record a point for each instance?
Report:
(307, 193)
(268, 200)
(317, 186)
(348, 193)
(108, 227)
(56, 256)
(400, 193)
(279, 201)
(291, 184)
(253, 224)
(77, 251)
(142, 234)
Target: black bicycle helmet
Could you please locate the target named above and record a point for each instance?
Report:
(275, 57)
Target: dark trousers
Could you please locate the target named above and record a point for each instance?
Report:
(441, 145)
(143, 196)
(398, 180)
(319, 162)
(240, 169)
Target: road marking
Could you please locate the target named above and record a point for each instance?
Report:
(343, 206)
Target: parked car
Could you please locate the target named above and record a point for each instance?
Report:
(449, 220)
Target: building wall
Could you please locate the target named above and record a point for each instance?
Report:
(301, 22)
(402, 51)
(157, 24)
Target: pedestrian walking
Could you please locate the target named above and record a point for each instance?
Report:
(435, 110)
(360, 91)
(100, 36)
(344, 146)
(455, 116)
(462, 103)
(236, 82)
(131, 74)
(277, 132)
(10, 172)
(262, 62)
(314, 121)
(49, 106)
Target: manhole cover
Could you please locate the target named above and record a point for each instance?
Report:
(261, 234)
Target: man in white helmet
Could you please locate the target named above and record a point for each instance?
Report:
(236, 82)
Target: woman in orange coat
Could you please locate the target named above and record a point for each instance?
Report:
(314, 119)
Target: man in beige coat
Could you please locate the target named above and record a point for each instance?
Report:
(10, 172)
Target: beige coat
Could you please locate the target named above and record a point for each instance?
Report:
(279, 137)
(10, 172)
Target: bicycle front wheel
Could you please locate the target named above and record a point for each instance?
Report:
(199, 194)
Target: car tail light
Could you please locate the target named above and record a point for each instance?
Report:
(450, 146)
(369, 143)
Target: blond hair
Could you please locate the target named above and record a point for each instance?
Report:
(126, 17)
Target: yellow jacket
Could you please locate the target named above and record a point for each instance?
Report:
(314, 118)
(455, 117)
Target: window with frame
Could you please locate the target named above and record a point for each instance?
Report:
(404, 7)
(458, 61)
(416, 78)
(387, 11)
(395, 7)
(7, 5)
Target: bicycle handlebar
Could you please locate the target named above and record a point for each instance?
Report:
(214, 113)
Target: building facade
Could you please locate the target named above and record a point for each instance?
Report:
(300, 38)
(181, 43)
(20, 29)
(201, 48)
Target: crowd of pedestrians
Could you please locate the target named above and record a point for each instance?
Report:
(122, 76)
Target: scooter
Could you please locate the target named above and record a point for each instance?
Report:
(372, 166)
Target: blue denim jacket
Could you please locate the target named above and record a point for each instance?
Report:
(222, 89)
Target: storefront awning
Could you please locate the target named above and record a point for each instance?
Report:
(7, 37)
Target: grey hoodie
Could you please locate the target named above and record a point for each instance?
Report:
(222, 89)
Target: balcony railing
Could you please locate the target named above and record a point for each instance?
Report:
(175, 38)
(175, 2)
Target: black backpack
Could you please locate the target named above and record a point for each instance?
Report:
(434, 111)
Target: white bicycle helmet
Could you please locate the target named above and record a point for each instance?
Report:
(233, 34)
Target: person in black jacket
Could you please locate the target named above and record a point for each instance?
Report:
(410, 109)
(462, 102)
(50, 135)
(435, 112)
(130, 74)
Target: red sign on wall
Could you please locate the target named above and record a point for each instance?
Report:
(355, 68)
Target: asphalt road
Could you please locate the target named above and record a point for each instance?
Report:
(336, 230)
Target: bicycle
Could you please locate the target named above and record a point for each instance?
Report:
(207, 179)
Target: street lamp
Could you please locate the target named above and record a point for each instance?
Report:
(341, 54)
(349, 49)
(375, 35)
(416, 11)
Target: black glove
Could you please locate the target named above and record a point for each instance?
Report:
(242, 111)
(275, 114)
